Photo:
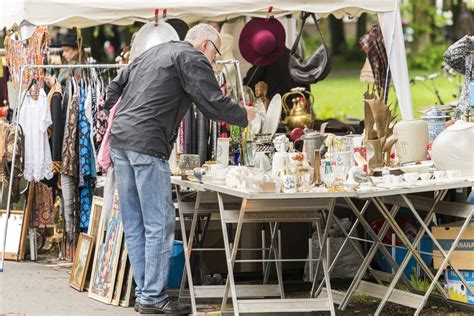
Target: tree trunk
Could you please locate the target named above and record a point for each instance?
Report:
(422, 25)
(338, 40)
(361, 27)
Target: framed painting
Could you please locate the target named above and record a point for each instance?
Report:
(15, 233)
(80, 265)
(96, 212)
(120, 275)
(127, 286)
(106, 257)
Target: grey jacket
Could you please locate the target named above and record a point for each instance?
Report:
(157, 90)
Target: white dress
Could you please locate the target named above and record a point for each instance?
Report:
(34, 119)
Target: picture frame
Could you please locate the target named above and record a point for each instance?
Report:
(120, 275)
(16, 233)
(127, 286)
(80, 266)
(106, 257)
(96, 213)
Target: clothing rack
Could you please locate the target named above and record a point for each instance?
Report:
(51, 50)
(15, 122)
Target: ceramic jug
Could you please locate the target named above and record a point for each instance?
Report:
(453, 149)
(436, 120)
(312, 140)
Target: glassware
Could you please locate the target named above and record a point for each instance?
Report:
(187, 163)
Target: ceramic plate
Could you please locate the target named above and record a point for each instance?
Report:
(393, 185)
(272, 118)
(422, 167)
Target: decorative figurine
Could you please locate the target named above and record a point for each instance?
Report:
(261, 89)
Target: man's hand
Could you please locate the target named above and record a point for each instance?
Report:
(250, 113)
(49, 81)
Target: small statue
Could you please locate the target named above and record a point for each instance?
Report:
(261, 89)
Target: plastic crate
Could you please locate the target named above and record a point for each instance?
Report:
(177, 265)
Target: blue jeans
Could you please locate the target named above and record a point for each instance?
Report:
(148, 216)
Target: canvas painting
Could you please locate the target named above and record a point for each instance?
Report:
(120, 275)
(14, 233)
(106, 258)
(127, 286)
(80, 266)
(96, 212)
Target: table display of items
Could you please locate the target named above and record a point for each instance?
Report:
(341, 164)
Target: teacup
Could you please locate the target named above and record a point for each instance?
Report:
(411, 177)
(452, 174)
(395, 179)
(215, 167)
(220, 173)
(440, 174)
(425, 177)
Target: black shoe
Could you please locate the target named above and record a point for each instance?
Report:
(136, 307)
(166, 306)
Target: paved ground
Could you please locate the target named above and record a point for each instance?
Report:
(29, 288)
(36, 289)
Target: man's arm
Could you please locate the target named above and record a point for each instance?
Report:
(115, 88)
(197, 79)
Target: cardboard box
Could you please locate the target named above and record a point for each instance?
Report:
(463, 256)
(457, 290)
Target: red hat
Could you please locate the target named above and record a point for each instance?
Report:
(262, 41)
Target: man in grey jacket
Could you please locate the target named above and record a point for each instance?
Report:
(157, 89)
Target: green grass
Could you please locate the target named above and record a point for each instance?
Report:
(340, 95)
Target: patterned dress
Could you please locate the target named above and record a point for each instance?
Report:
(86, 167)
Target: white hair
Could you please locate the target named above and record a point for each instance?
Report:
(202, 32)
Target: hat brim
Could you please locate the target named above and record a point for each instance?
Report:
(180, 27)
(255, 25)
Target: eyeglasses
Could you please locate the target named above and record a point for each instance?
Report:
(215, 47)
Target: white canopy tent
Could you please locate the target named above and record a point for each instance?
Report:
(86, 13)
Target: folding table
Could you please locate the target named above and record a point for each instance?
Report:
(240, 207)
(401, 198)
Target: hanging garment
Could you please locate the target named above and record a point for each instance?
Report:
(35, 119)
(4, 77)
(31, 51)
(101, 125)
(70, 206)
(57, 128)
(373, 45)
(86, 161)
(70, 156)
(43, 206)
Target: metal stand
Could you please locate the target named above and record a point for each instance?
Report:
(432, 207)
(15, 122)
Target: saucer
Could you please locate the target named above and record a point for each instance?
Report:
(393, 185)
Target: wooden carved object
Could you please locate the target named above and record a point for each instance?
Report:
(379, 123)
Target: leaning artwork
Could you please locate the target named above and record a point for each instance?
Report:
(107, 252)
(80, 266)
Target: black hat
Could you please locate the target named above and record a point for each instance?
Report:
(69, 40)
(180, 27)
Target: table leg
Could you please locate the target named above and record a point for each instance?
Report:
(371, 253)
(444, 264)
(231, 254)
(324, 257)
(348, 239)
(401, 235)
(187, 253)
(323, 244)
(435, 241)
(278, 266)
(273, 238)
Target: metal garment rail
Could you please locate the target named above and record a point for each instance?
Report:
(15, 122)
